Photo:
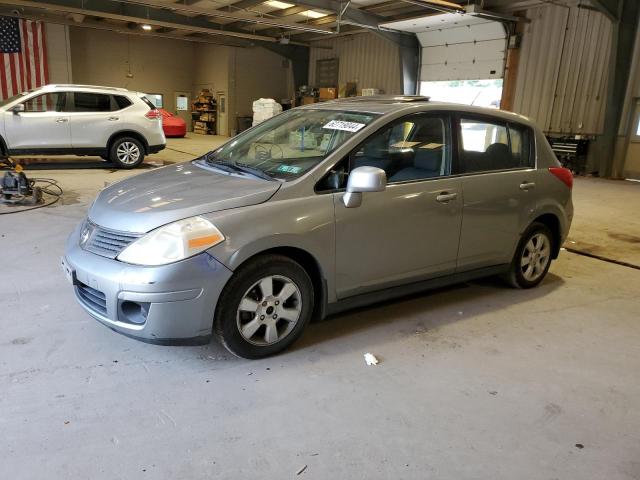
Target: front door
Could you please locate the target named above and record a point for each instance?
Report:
(499, 189)
(410, 231)
(43, 125)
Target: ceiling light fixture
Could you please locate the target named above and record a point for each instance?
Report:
(313, 14)
(278, 5)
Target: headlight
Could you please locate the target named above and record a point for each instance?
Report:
(173, 242)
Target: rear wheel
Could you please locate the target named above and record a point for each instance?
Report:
(264, 307)
(126, 152)
(532, 258)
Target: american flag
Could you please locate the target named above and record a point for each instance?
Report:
(23, 56)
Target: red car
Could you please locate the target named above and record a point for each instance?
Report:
(173, 126)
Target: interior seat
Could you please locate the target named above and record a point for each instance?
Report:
(426, 164)
(498, 157)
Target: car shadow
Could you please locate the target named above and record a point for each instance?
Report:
(419, 313)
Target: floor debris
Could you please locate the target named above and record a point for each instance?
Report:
(301, 469)
(370, 359)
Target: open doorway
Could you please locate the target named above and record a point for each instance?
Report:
(483, 93)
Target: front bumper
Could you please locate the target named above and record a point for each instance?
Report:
(165, 304)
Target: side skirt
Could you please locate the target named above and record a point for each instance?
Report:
(379, 296)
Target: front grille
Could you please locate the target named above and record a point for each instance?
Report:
(107, 243)
(93, 299)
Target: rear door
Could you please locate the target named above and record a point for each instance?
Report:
(93, 118)
(44, 125)
(410, 231)
(497, 167)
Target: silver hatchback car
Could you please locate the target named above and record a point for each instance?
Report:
(320, 209)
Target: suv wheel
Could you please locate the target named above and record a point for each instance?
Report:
(532, 258)
(126, 152)
(264, 307)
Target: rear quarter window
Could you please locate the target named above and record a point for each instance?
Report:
(121, 101)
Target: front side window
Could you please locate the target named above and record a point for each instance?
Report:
(489, 146)
(91, 102)
(47, 102)
(414, 149)
(287, 146)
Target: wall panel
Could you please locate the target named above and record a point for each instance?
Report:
(562, 77)
(371, 61)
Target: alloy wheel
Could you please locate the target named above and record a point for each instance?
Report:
(269, 310)
(128, 153)
(535, 257)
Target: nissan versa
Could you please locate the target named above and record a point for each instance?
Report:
(321, 208)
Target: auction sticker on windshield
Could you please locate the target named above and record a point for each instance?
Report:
(346, 126)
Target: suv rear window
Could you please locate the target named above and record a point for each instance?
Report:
(121, 101)
(91, 102)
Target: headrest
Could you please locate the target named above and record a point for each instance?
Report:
(378, 147)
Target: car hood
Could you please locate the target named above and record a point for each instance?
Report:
(150, 200)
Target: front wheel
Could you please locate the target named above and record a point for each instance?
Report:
(126, 152)
(532, 258)
(264, 307)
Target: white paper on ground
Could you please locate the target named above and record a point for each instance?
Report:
(370, 359)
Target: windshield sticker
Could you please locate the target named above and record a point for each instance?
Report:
(346, 126)
(289, 169)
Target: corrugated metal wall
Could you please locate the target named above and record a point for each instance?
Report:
(564, 64)
(365, 58)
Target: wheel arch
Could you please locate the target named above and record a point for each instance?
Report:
(552, 222)
(128, 133)
(4, 151)
(313, 268)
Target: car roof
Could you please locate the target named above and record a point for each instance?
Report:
(91, 88)
(386, 104)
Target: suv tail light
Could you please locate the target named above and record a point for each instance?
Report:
(153, 114)
(564, 174)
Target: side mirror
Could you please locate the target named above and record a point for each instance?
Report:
(18, 108)
(363, 179)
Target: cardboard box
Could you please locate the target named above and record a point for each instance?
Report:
(328, 93)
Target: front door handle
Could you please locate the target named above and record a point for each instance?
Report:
(445, 197)
(113, 119)
(527, 186)
(62, 120)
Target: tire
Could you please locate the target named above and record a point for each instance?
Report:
(253, 325)
(537, 241)
(126, 152)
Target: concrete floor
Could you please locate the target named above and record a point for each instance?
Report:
(475, 382)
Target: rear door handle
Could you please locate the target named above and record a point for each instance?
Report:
(527, 185)
(445, 197)
(113, 119)
(62, 120)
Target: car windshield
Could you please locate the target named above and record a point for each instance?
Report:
(7, 101)
(285, 147)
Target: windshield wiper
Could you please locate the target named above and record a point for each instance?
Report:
(254, 171)
(234, 167)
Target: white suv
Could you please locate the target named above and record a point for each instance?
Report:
(114, 123)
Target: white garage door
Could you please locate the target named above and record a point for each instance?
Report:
(458, 46)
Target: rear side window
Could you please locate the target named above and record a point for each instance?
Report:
(488, 146)
(121, 101)
(91, 102)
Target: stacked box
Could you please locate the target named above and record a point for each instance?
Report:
(264, 109)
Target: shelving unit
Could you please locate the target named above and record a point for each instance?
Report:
(203, 113)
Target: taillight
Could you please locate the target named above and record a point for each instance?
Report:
(153, 114)
(564, 174)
